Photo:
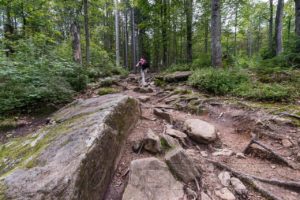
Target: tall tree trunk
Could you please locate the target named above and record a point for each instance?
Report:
(278, 27)
(8, 31)
(189, 31)
(126, 38)
(297, 17)
(76, 46)
(271, 26)
(164, 8)
(206, 33)
(117, 33)
(235, 26)
(87, 32)
(133, 39)
(216, 46)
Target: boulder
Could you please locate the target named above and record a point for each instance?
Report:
(151, 142)
(224, 177)
(170, 141)
(73, 158)
(225, 194)
(238, 186)
(181, 165)
(175, 133)
(177, 76)
(161, 113)
(150, 178)
(200, 131)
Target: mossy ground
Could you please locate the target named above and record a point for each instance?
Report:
(107, 90)
(22, 152)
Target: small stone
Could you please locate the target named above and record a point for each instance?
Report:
(223, 152)
(136, 146)
(224, 177)
(191, 193)
(298, 157)
(204, 154)
(240, 155)
(286, 143)
(225, 194)
(143, 98)
(238, 186)
(175, 133)
(273, 166)
(204, 196)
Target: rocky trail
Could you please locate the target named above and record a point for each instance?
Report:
(216, 149)
(154, 143)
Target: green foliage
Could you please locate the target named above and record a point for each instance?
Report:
(43, 80)
(203, 60)
(107, 90)
(218, 82)
(263, 92)
(179, 67)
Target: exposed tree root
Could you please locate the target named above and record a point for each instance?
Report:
(251, 181)
(290, 115)
(274, 154)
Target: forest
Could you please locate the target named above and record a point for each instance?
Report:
(50, 50)
(150, 99)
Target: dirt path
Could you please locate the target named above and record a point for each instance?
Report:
(234, 134)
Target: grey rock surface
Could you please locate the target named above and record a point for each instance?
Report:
(150, 179)
(76, 156)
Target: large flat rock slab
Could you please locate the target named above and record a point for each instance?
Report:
(150, 179)
(75, 157)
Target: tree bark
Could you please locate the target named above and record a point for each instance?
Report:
(271, 26)
(189, 31)
(126, 38)
(164, 32)
(297, 17)
(278, 27)
(235, 26)
(76, 47)
(133, 39)
(87, 32)
(117, 33)
(216, 46)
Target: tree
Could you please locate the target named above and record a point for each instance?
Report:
(87, 32)
(278, 27)
(189, 30)
(297, 17)
(117, 33)
(216, 46)
(76, 46)
(271, 26)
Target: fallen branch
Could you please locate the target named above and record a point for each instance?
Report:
(163, 98)
(146, 118)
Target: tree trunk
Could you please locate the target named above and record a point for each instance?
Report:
(133, 39)
(216, 46)
(297, 17)
(278, 27)
(164, 32)
(189, 31)
(126, 39)
(76, 47)
(87, 32)
(235, 27)
(271, 26)
(117, 33)
(206, 33)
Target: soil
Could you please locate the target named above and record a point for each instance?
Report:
(235, 125)
(233, 134)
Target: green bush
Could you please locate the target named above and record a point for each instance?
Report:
(41, 81)
(203, 60)
(263, 92)
(218, 82)
(107, 90)
(179, 67)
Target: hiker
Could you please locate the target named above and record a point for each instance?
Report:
(143, 64)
